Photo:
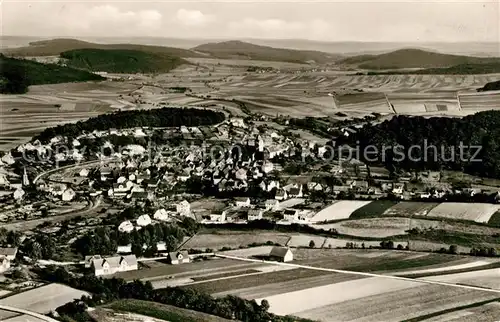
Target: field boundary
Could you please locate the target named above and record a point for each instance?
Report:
(341, 271)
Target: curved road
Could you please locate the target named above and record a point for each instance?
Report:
(26, 312)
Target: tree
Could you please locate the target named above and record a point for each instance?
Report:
(453, 249)
(312, 244)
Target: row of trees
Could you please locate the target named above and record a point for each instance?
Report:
(164, 117)
(105, 240)
(416, 143)
(106, 290)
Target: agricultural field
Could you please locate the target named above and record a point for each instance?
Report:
(489, 311)
(372, 209)
(43, 299)
(379, 227)
(477, 212)
(149, 311)
(383, 300)
(234, 239)
(338, 210)
(488, 278)
(410, 208)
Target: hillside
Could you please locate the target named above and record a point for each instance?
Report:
(121, 60)
(244, 50)
(54, 47)
(413, 58)
(17, 74)
(493, 86)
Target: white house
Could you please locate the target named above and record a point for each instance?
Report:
(144, 220)
(183, 208)
(267, 167)
(84, 172)
(112, 265)
(124, 249)
(180, 257)
(161, 214)
(68, 194)
(126, 227)
(242, 202)
(281, 254)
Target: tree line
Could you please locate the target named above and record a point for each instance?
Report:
(105, 240)
(462, 144)
(107, 290)
(164, 117)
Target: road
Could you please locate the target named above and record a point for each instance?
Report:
(476, 288)
(26, 312)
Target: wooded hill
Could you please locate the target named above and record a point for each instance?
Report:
(17, 74)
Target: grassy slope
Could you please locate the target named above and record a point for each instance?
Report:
(54, 47)
(413, 58)
(243, 50)
(33, 73)
(121, 60)
(162, 311)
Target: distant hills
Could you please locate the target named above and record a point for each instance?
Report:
(17, 74)
(121, 60)
(223, 50)
(244, 50)
(413, 58)
(152, 58)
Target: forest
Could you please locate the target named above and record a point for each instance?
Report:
(408, 143)
(164, 117)
(120, 60)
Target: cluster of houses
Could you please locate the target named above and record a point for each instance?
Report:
(182, 209)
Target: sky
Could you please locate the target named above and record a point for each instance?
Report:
(347, 20)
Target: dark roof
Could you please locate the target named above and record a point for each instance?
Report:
(173, 255)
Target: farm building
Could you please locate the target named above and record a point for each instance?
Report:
(242, 202)
(178, 257)
(281, 254)
(161, 214)
(112, 265)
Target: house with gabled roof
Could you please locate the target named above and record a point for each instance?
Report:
(180, 257)
(112, 265)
